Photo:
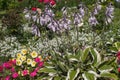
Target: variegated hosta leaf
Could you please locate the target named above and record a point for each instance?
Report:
(89, 76)
(105, 68)
(85, 54)
(109, 75)
(48, 70)
(96, 56)
(72, 74)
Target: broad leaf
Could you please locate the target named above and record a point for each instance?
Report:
(89, 76)
(109, 75)
(72, 74)
(47, 70)
(85, 54)
(96, 56)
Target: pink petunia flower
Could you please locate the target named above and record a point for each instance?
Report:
(12, 69)
(40, 64)
(36, 69)
(46, 1)
(7, 78)
(37, 59)
(33, 74)
(15, 75)
(1, 68)
(25, 72)
(7, 65)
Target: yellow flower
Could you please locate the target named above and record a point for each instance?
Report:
(34, 54)
(24, 51)
(23, 58)
(18, 62)
(29, 61)
(17, 58)
(19, 55)
(33, 63)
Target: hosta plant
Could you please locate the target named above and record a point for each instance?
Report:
(85, 64)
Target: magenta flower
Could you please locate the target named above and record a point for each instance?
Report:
(15, 75)
(12, 69)
(36, 69)
(7, 65)
(7, 78)
(25, 72)
(1, 68)
(33, 74)
(46, 1)
(40, 64)
(37, 59)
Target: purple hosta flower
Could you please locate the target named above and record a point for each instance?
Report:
(78, 19)
(49, 11)
(117, 0)
(64, 10)
(95, 11)
(97, 8)
(64, 23)
(44, 19)
(82, 11)
(109, 13)
(35, 30)
(92, 20)
(26, 10)
(53, 26)
(34, 17)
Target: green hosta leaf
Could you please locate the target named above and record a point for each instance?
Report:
(62, 66)
(96, 56)
(72, 74)
(57, 78)
(72, 58)
(117, 45)
(105, 68)
(109, 75)
(85, 54)
(113, 49)
(89, 76)
(47, 70)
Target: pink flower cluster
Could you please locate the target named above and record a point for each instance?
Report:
(51, 2)
(11, 65)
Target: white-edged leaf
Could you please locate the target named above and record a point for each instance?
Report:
(85, 54)
(47, 70)
(89, 76)
(72, 74)
(93, 72)
(105, 68)
(96, 56)
(109, 75)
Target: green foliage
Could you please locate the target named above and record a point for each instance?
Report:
(78, 66)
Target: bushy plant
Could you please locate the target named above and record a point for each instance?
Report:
(24, 65)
